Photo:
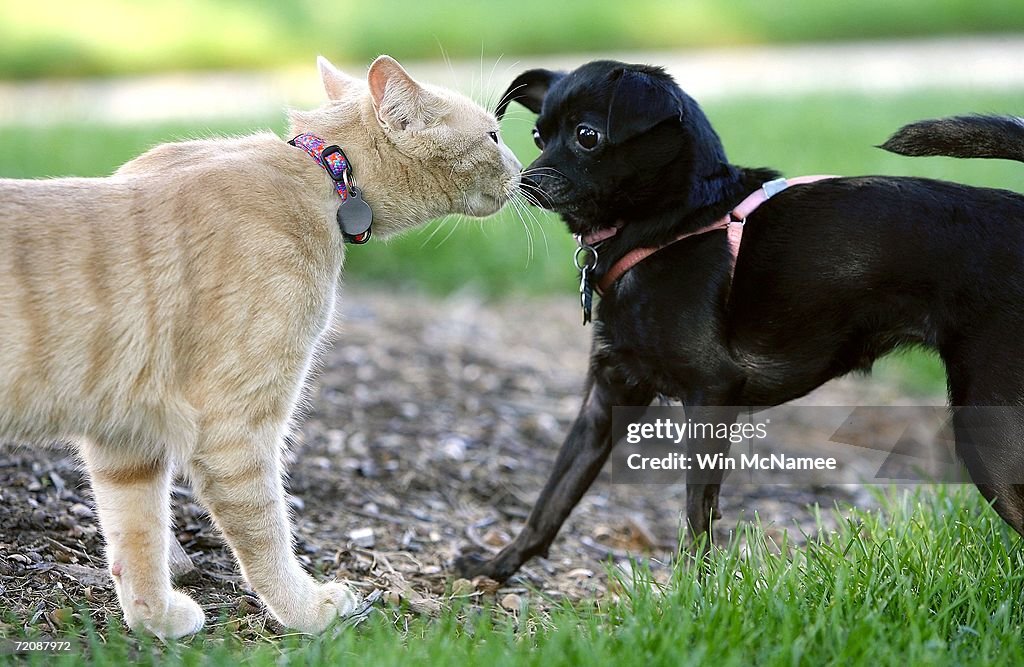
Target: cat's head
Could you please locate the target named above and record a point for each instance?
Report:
(418, 151)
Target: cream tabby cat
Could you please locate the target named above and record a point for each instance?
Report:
(165, 318)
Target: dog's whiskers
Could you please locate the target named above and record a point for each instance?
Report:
(533, 194)
(532, 198)
(540, 170)
(530, 188)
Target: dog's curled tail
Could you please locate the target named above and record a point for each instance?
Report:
(977, 135)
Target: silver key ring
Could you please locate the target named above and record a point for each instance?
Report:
(590, 261)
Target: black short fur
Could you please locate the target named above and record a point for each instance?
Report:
(830, 276)
(962, 136)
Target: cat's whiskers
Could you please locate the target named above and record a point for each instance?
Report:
(517, 119)
(529, 196)
(437, 226)
(512, 65)
(531, 193)
(509, 92)
(457, 218)
(448, 63)
(450, 232)
(490, 81)
(523, 203)
(517, 207)
(480, 81)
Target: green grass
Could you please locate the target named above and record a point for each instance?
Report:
(66, 38)
(497, 258)
(932, 578)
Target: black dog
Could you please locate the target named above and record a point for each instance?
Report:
(829, 277)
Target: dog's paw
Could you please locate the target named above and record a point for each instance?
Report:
(499, 568)
(178, 617)
(470, 564)
(329, 601)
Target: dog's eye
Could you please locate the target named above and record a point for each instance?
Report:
(537, 140)
(493, 136)
(587, 137)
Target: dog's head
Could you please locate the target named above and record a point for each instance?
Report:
(619, 142)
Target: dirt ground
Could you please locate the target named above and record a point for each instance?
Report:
(430, 429)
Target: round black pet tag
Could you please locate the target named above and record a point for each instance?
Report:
(355, 218)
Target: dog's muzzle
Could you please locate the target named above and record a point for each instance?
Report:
(537, 190)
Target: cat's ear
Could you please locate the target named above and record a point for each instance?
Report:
(529, 89)
(337, 84)
(400, 102)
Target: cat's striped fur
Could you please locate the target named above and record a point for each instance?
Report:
(165, 318)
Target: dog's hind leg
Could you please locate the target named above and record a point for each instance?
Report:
(989, 440)
(704, 483)
(990, 432)
(580, 459)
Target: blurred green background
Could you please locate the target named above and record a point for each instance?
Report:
(68, 38)
(508, 255)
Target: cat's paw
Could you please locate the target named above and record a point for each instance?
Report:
(329, 601)
(181, 617)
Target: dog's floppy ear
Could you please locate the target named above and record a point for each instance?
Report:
(399, 102)
(529, 89)
(640, 101)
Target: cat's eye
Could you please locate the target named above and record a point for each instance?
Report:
(537, 140)
(493, 136)
(587, 137)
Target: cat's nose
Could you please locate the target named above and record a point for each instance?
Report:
(514, 163)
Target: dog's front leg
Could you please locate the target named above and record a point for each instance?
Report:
(704, 481)
(583, 453)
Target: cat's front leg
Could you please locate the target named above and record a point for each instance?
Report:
(132, 498)
(240, 481)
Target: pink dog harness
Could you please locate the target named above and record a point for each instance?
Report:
(732, 221)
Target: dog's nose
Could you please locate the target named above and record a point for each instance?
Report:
(530, 185)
